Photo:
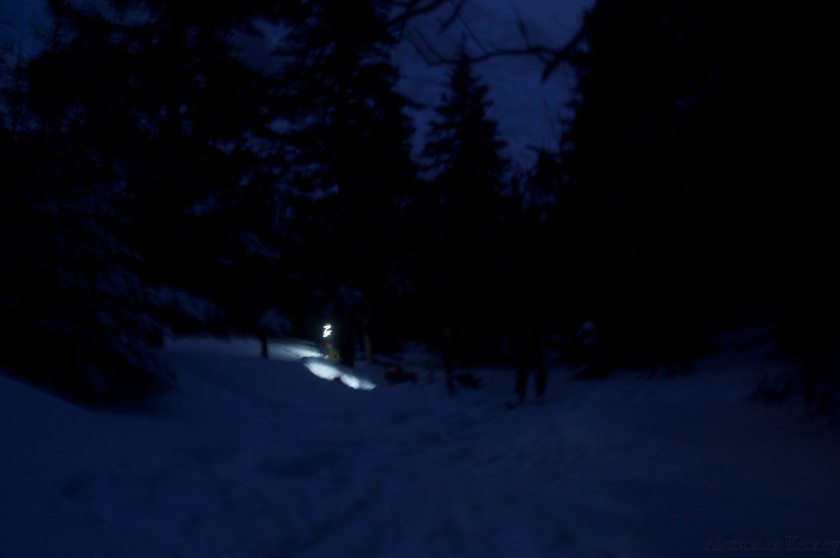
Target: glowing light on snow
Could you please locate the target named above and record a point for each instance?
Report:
(295, 351)
(327, 371)
(357, 383)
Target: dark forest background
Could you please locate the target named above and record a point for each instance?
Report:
(165, 171)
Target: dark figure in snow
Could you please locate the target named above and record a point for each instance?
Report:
(448, 355)
(263, 343)
(347, 341)
(527, 346)
(596, 351)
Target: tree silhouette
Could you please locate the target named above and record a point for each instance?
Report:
(464, 155)
(71, 300)
(125, 174)
(686, 176)
(346, 142)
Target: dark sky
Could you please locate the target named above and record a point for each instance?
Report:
(525, 108)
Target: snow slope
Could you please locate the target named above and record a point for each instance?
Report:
(260, 458)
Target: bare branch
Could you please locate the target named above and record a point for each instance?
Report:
(550, 56)
(406, 10)
(563, 54)
(427, 52)
(520, 24)
(472, 34)
(457, 8)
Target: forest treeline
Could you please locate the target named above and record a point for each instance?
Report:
(247, 168)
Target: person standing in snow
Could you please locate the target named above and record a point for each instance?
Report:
(448, 354)
(527, 346)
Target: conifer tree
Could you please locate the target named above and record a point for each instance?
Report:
(681, 124)
(70, 299)
(125, 182)
(464, 154)
(346, 140)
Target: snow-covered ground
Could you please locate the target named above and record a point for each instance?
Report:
(261, 458)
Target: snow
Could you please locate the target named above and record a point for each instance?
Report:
(261, 458)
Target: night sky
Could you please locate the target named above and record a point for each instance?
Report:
(525, 108)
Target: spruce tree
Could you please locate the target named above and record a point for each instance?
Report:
(202, 109)
(690, 183)
(642, 205)
(71, 301)
(128, 178)
(464, 154)
(346, 142)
